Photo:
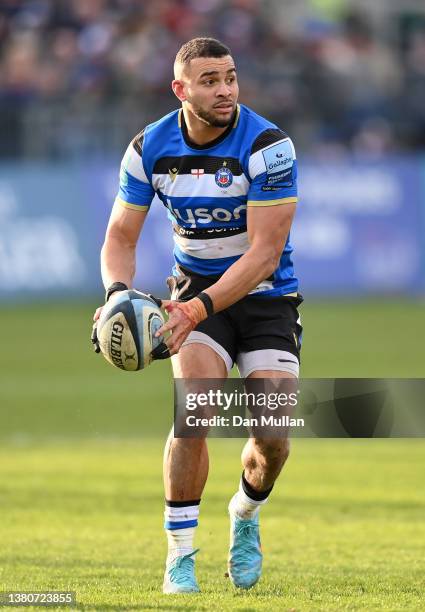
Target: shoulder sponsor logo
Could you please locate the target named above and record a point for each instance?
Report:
(278, 157)
(281, 179)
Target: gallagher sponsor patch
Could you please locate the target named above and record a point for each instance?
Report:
(279, 162)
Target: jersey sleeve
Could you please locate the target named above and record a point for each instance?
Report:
(135, 190)
(272, 170)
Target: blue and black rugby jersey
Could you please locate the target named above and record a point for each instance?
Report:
(207, 189)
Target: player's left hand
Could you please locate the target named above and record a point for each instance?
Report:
(178, 323)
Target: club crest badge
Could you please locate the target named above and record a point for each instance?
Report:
(224, 176)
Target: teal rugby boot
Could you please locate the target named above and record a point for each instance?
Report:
(179, 575)
(245, 556)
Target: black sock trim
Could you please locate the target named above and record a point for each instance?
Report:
(182, 504)
(252, 493)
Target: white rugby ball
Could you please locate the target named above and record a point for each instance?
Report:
(126, 330)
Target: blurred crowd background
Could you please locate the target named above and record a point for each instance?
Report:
(81, 77)
(345, 78)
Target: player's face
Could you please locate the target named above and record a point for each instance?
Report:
(211, 89)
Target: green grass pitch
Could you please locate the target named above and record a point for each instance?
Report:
(80, 479)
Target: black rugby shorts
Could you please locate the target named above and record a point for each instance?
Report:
(256, 333)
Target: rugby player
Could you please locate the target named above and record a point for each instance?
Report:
(228, 179)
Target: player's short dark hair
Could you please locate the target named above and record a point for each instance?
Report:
(201, 47)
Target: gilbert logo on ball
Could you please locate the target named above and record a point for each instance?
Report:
(126, 330)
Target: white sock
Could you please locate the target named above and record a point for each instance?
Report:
(244, 506)
(180, 542)
(180, 524)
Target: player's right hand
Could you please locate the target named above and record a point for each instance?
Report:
(94, 339)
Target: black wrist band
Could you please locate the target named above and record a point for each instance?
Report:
(207, 302)
(115, 287)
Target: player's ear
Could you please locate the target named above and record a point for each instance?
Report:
(178, 88)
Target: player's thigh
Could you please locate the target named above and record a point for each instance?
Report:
(198, 360)
(198, 369)
(269, 336)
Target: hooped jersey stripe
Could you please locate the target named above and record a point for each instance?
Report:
(185, 164)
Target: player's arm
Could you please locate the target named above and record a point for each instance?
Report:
(118, 256)
(268, 229)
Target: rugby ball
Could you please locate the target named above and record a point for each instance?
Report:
(126, 330)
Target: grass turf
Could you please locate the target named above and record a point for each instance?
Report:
(345, 528)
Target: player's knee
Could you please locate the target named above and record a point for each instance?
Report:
(192, 448)
(275, 451)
